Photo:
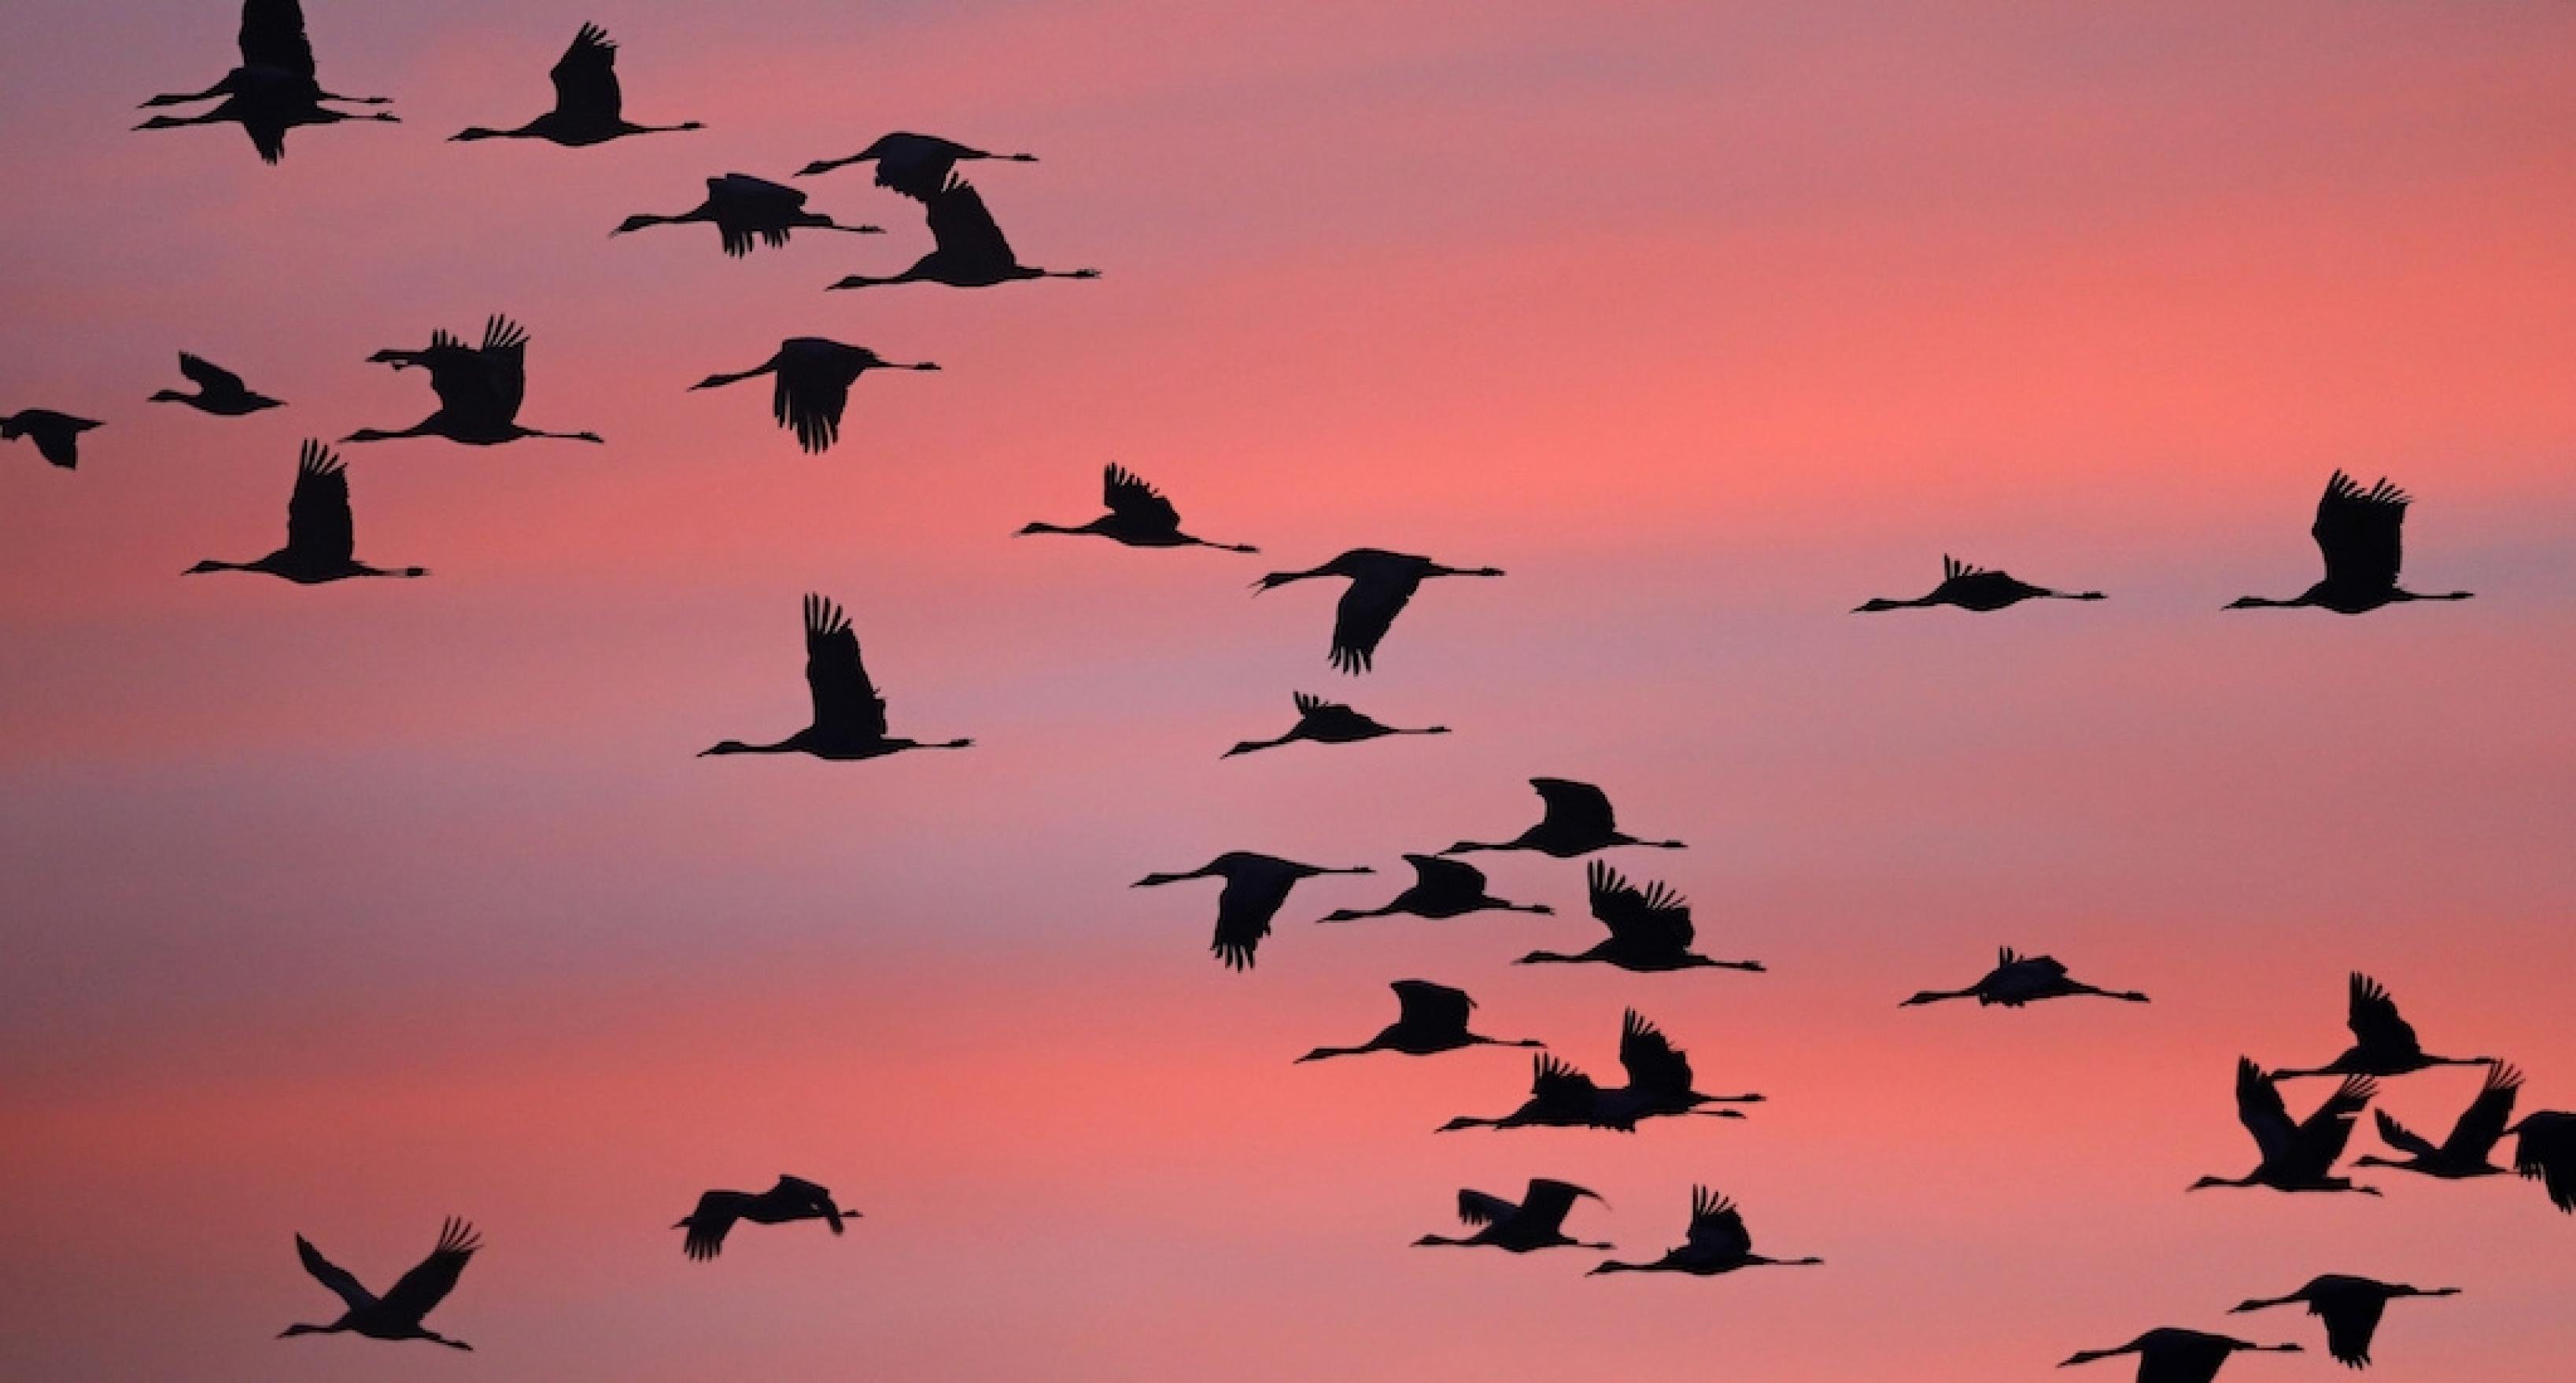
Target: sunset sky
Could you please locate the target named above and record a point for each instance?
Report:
(339, 910)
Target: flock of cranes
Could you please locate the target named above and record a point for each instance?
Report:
(1644, 928)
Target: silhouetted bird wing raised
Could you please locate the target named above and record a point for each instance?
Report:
(1543, 1208)
(1717, 1227)
(1367, 610)
(2481, 1126)
(1479, 1208)
(711, 1221)
(1140, 504)
(846, 703)
(1654, 916)
(1575, 806)
(209, 376)
(2404, 1139)
(1422, 1004)
(2323, 1135)
(272, 36)
(2037, 967)
(1652, 1061)
(1560, 1090)
(2374, 1020)
(1433, 874)
(428, 1284)
(964, 230)
(505, 362)
(2357, 531)
(318, 525)
(585, 77)
(343, 1283)
(2259, 1108)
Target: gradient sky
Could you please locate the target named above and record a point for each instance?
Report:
(339, 910)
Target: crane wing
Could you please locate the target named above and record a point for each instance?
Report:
(2350, 1322)
(1367, 610)
(340, 1280)
(710, 1222)
(1717, 1227)
(428, 1284)
(1131, 498)
(2545, 1152)
(811, 1196)
(208, 375)
(1434, 873)
(1560, 1089)
(963, 229)
(318, 526)
(1653, 916)
(2357, 532)
(2402, 1138)
(2374, 1021)
(2259, 1108)
(1422, 1004)
(1481, 1208)
(1653, 1063)
(2481, 1126)
(846, 703)
(1544, 1207)
(585, 77)
(272, 36)
(504, 358)
(1579, 806)
(1244, 908)
(2323, 1135)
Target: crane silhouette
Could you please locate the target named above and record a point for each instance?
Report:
(2544, 1150)
(589, 106)
(219, 391)
(56, 435)
(2017, 980)
(479, 388)
(1537, 1222)
(744, 210)
(2360, 534)
(916, 165)
(1430, 1018)
(1441, 889)
(2170, 1355)
(1650, 929)
(792, 1199)
(397, 1314)
(849, 714)
(1576, 820)
(1139, 516)
(321, 541)
(2465, 1152)
(813, 382)
(1255, 886)
(1659, 1086)
(1329, 722)
(276, 87)
(2383, 1043)
(967, 247)
(2296, 1156)
(1975, 588)
(2350, 1307)
(1381, 583)
(1715, 1243)
(1560, 1097)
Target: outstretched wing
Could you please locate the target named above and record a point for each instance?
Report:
(340, 1280)
(811, 1196)
(1479, 1208)
(1717, 1227)
(2350, 1322)
(585, 77)
(2374, 1019)
(1367, 610)
(1654, 916)
(813, 390)
(318, 526)
(846, 703)
(2546, 1152)
(964, 230)
(1576, 806)
(1433, 873)
(1422, 1004)
(2402, 1138)
(2323, 1135)
(1244, 908)
(1561, 1090)
(425, 1286)
(1543, 1209)
(2259, 1108)
(2357, 531)
(272, 36)
(209, 376)
(1653, 1062)
(504, 358)
(1131, 499)
(2482, 1124)
(710, 1222)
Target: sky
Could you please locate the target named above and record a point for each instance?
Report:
(340, 910)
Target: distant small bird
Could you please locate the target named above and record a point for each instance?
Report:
(1329, 722)
(745, 209)
(1650, 929)
(2383, 1043)
(479, 388)
(397, 1314)
(589, 106)
(321, 541)
(916, 165)
(1255, 886)
(2017, 980)
(1716, 1242)
(1976, 588)
(1138, 516)
(813, 385)
(274, 90)
(2296, 1156)
(791, 1199)
(1577, 820)
(56, 435)
(1381, 584)
(2180, 1356)
(2544, 1150)
(219, 391)
(1537, 1222)
(967, 248)
(1430, 1018)
(1441, 889)
(849, 713)
(1659, 1086)
(2359, 533)
(2350, 1307)
(2473, 1136)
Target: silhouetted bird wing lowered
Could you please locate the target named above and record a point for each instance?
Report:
(1652, 1062)
(2545, 1151)
(2172, 1355)
(709, 1223)
(56, 435)
(915, 165)
(1255, 887)
(219, 389)
(1366, 612)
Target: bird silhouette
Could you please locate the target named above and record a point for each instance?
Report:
(1575, 820)
(1659, 1086)
(2544, 1150)
(849, 714)
(397, 1314)
(2473, 1136)
(479, 388)
(791, 1199)
(2170, 1355)
(267, 106)
(2383, 1043)
(1138, 516)
(1650, 929)
(1716, 1242)
(1560, 1097)
(2350, 1307)
(56, 435)
(1537, 1222)
(916, 165)
(814, 376)
(745, 209)
(219, 391)
(1975, 588)
(275, 89)
(2017, 980)
(967, 248)
(1441, 889)
(321, 542)
(589, 107)
(2296, 1156)
(1255, 886)
(2359, 532)
(1430, 1018)
(1381, 583)
(1329, 722)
